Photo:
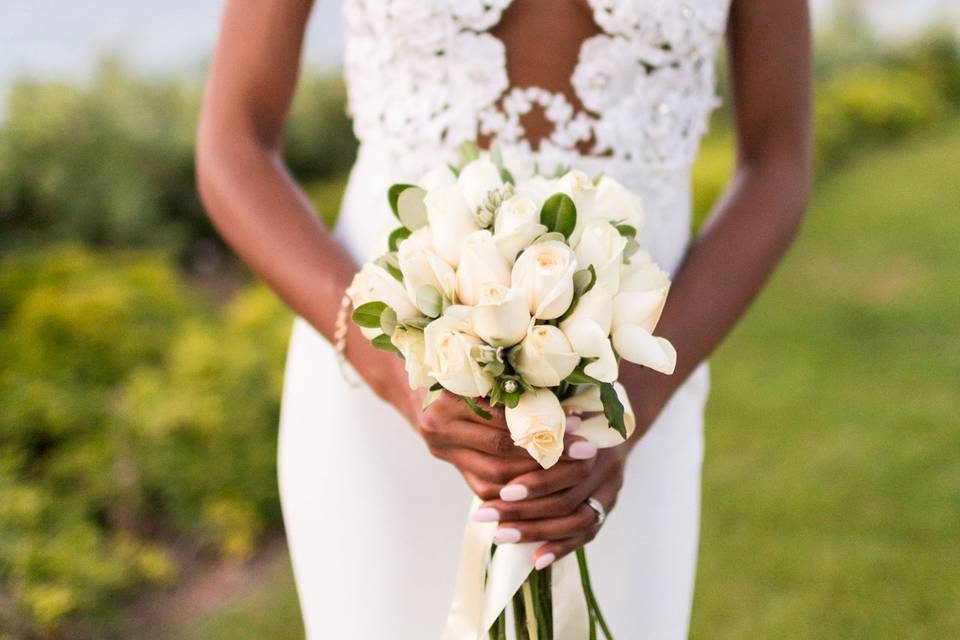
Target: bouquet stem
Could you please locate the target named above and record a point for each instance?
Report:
(596, 617)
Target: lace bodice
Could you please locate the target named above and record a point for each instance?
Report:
(425, 75)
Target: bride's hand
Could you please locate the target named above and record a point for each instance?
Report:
(482, 450)
(562, 519)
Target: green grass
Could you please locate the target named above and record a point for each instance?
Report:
(832, 479)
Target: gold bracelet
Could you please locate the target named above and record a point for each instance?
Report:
(340, 331)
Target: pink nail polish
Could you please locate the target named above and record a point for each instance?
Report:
(573, 423)
(514, 492)
(506, 536)
(486, 515)
(582, 450)
(544, 561)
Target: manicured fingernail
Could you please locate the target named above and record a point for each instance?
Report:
(544, 561)
(486, 515)
(582, 450)
(506, 536)
(514, 492)
(573, 423)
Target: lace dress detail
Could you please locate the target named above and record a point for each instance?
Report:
(424, 76)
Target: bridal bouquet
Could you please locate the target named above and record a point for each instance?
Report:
(524, 291)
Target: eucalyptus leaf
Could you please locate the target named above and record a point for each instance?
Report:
(417, 323)
(429, 300)
(388, 321)
(477, 409)
(626, 230)
(391, 264)
(551, 236)
(396, 236)
(383, 343)
(559, 214)
(613, 409)
(393, 194)
(468, 152)
(411, 209)
(368, 315)
(506, 176)
(495, 368)
(584, 280)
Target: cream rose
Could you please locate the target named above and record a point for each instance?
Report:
(601, 245)
(615, 202)
(544, 275)
(636, 311)
(448, 343)
(477, 180)
(501, 316)
(588, 330)
(594, 427)
(517, 225)
(537, 424)
(375, 284)
(411, 344)
(420, 266)
(450, 221)
(545, 357)
(436, 178)
(481, 265)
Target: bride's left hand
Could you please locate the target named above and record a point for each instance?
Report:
(562, 519)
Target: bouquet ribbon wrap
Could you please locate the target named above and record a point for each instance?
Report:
(486, 586)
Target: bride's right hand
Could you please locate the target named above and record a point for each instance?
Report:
(482, 450)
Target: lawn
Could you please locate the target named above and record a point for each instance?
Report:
(832, 479)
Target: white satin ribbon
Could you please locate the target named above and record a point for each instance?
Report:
(475, 607)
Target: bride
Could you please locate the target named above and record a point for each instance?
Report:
(374, 491)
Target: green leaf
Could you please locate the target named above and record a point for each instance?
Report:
(506, 176)
(436, 386)
(417, 323)
(411, 209)
(613, 408)
(495, 368)
(430, 398)
(584, 280)
(429, 300)
(510, 400)
(579, 377)
(398, 234)
(454, 170)
(368, 315)
(626, 230)
(470, 402)
(383, 343)
(391, 264)
(468, 152)
(551, 236)
(393, 195)
(559, 214)
(388, 321)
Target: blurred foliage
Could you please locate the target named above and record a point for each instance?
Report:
(110, 163)
(134, 415)
(139, 419)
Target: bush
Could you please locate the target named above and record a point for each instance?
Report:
(111, 164)
(134, 416)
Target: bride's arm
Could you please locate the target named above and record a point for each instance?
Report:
(753, 223)
(265, 216)
(739, 246)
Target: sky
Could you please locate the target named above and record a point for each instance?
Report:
(62, 38)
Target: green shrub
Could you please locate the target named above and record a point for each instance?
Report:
(134, 416)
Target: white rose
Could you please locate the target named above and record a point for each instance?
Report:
(582, 191)
(411, 344)
(636, 311)
(477, 180)
(450, 221)
(588, 330)
(601, 245)
(596, 429)
(545, 357)
(375, 284)
(481, 265)
(447, 353)
(436, 178)
(544, 275)
(537, 424)
(501, 316)
(517, 225)
(420, 266)
(615, 202)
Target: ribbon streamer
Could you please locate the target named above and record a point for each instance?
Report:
(477, 602)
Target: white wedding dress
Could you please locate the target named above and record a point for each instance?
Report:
(374, 523)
